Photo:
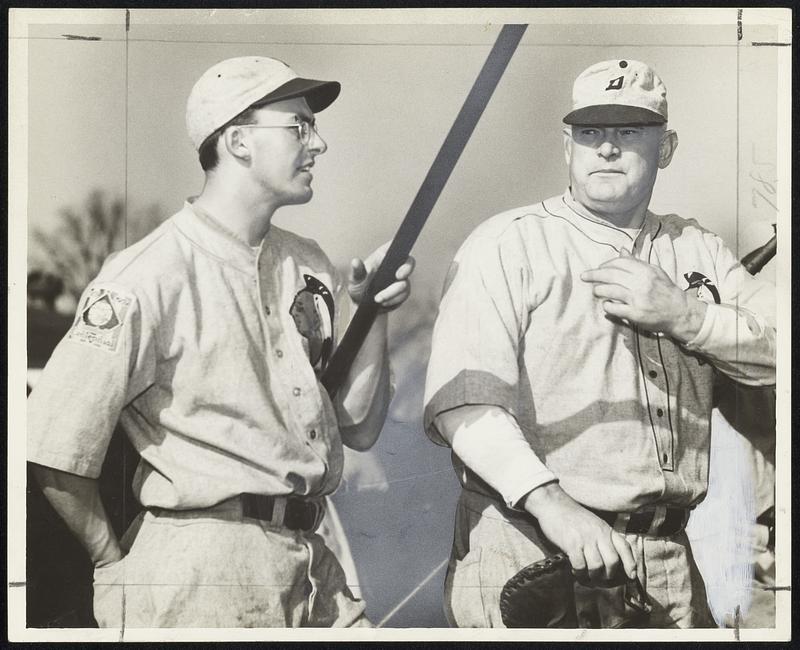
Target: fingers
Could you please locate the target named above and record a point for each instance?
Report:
(397, 292)
(608, 275)
(393, 295)
(389, 297)
(613, 566)
(406, 268)
(358, 271)
(376, 257)
(625, 554)
(617, 309)
(611, 292)
(603, 562)
(595, 564)
(578, 562)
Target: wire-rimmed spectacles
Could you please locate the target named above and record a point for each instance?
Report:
(304, 129)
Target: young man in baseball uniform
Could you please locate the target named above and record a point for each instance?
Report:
(577, 400)
(206, 340)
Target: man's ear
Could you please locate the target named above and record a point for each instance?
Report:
(666, 148)
(235, 143)
(566, 134)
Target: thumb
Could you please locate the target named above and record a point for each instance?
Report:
(357, 270)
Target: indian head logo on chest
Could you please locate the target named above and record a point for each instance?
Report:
(706, 290)
(313, 313)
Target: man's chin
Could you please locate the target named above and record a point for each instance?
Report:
(300, 197)
(607, 199)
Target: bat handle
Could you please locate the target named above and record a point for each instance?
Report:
(756, 260)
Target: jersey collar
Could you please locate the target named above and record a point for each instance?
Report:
(208, 233)
(593, 226)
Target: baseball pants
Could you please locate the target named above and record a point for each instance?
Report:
(215, 568)
(490, 547)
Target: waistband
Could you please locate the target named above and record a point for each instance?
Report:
(655, 521)
(650, 521)
(292, 512)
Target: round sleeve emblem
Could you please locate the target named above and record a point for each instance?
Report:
(100, 313)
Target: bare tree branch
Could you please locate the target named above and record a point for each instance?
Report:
(77, 246)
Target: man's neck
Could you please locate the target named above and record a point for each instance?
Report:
(237, 208)
(624, 220)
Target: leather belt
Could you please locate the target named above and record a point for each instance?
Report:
(294, 513)
(652, 521)
(657, 521)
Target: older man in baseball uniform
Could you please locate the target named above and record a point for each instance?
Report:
(572, 367)
(206, 341)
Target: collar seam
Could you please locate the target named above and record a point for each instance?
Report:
(574, 225)
(199, 245)
(605, 224)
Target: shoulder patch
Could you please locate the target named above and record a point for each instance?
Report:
(100, 318)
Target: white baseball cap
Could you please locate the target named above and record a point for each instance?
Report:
(618, 92)
(233, 85)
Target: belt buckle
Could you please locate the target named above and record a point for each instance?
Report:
(319, 513)
(304, 514)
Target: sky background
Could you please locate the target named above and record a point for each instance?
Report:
(109, 114)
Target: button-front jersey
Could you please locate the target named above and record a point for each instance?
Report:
(620, 415)
(207, 351)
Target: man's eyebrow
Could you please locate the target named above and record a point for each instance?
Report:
(299, 117)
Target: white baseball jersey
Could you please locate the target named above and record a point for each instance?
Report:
(620, 415)
(207, 351)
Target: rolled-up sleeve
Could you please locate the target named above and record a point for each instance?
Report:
(482, 317)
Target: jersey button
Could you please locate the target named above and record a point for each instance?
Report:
(312, 434)
(665, 458)
(653, 374)
(295, 391)
(659, 412)
(267, 311)
(279, 353)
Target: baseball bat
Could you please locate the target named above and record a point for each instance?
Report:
(757, 259)
(421, 207)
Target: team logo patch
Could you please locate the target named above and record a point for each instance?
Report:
(706, 290)
(615, 84)
(313, 311)
(101, 318)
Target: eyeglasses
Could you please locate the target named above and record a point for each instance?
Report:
(304, 129)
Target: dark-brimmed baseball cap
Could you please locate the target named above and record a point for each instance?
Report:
(618, 92)
(233, 85)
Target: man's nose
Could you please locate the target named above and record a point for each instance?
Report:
(608, 147)
(317, 144)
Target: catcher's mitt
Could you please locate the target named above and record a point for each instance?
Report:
(544, 594)
(540, 595)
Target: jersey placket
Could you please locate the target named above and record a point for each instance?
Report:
(298, 395)
(655, 383)
(653, 371)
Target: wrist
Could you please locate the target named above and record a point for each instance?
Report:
(542, 497)
(690, 324)
(108, 558)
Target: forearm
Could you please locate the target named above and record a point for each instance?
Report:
(738, 335)
(363, 401)
(76, 499)
(489, 441)
(738, 343)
